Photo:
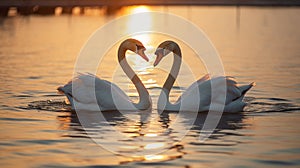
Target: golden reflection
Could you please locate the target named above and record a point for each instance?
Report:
(64, 122)
(151, 135)
(135, 24)
(138, 63)
(154, 157)
(154, 145)
(149, 83)
(138, 22)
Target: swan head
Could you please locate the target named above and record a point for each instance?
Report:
(163, 50)
(135, 46)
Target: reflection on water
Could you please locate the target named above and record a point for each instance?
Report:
(38, 54)
(154, 135)
(151, 135)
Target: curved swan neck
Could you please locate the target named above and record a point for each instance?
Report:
(174, 71)
(144, 102)
(164, 100)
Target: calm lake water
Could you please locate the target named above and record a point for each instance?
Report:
(38, 54)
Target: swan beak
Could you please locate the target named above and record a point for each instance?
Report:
(159, 56)
(142, 54)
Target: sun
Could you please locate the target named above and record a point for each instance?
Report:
(139, 21)
(139, 9)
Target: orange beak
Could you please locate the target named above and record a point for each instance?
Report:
(159, 57)
(142, 54)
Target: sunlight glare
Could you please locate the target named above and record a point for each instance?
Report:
(151, 135)
(154, 157)
(154, 145)
(136, 22)
(139, 9)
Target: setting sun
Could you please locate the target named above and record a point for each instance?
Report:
(140, 9)
(143, 21)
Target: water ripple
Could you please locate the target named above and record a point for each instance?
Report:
(269, 105)
(49, 105)
(20, 119)
(276, 162)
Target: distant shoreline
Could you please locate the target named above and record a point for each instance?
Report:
(48, 7)
(95, 3)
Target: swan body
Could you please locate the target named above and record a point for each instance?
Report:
(88, 92)
(198, 96)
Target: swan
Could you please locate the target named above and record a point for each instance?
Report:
(88, 92)
(199, 90)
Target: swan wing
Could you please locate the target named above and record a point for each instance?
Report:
(199, 94)
(194, 85)
(92, 91)
(232, 90)
(202, 89)
(237, 105)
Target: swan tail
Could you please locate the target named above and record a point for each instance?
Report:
(244, 89)
(60, 90)
(67, 91)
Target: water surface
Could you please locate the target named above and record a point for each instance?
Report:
(38, 54)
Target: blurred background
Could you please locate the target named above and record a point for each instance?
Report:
(257, 41)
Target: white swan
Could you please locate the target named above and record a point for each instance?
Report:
(199, 90)
(88, 92)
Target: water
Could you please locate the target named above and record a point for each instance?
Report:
(38, 54)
